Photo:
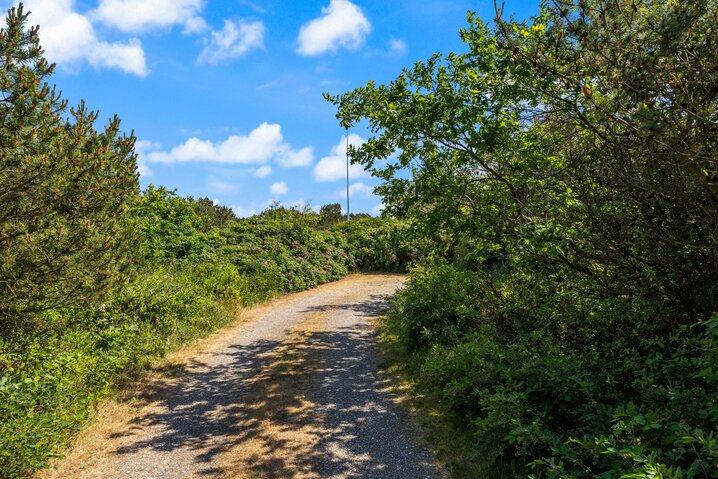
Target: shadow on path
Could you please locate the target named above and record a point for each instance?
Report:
(309, 406)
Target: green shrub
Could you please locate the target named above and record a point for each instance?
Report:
(298, 255)
(168, 226)
(437, 306)
(537, 394)
(382, 244)
(53, 376)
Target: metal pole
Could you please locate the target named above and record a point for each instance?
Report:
(347, 175)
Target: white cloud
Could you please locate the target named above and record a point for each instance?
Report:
(193, 149)
(69, 39)
(263, 144)
(334, 166)
(397, 47)
(128, 57)
(263, 171)
(141, 15)
(279, 188)
(233, 41)
(303, 157)
(144, 170)
(359, 188)
(141, 148)
(257, 8)
(194, 26)
(64, 34)
(378, 209)
(342, 25)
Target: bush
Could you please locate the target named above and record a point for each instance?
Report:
(537, 394)
(436, 307)
(190, 278)
(52, 377)
(382, 244)
(298, 255)
(168, 226)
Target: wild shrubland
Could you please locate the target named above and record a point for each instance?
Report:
(98, 280)
(558, 182)
(185, 281)
(566, 167)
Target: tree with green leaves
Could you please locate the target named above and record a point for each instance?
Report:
(595, 125)
(567, 167)
(212, 215)
(63, 186)
(169, 225)
(330, 214)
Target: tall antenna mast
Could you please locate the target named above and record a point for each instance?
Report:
(347, 174)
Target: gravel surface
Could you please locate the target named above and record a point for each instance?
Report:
(293, 391)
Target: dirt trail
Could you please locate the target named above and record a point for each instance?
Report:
(290, 391)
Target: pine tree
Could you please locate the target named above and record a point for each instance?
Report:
(63, 186)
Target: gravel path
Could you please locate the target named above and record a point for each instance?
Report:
(292, 391)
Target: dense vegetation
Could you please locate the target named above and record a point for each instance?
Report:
(562, 174)
(566, 167)
(97, 280)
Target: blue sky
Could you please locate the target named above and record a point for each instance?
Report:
(225, 97)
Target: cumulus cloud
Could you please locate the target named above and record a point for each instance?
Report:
(334, 166)
(144, 170)
(141, 148)
(341, 25)
(69, 39)
(128, 57)
(263, 144)
(303, 157)
(142, 15)
(194, 26)
(263, 171)
(279, 188)
(233, 41)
